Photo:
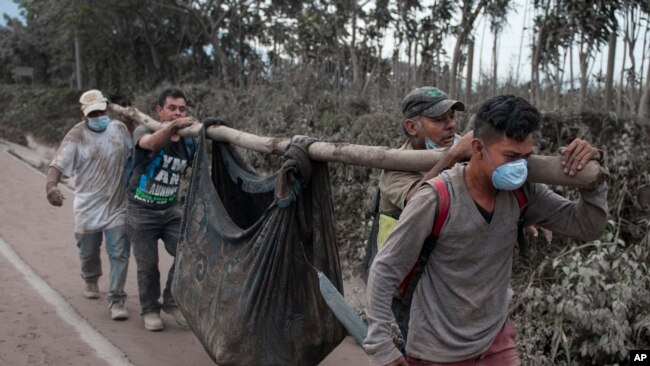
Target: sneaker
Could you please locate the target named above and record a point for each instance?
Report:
(119, 312)
(153, 322)
(178, 316)
(91, 291)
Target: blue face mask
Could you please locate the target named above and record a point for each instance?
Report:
(98, 124)
(430, 145)
(508, 176)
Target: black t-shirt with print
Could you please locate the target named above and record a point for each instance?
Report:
(157, 175)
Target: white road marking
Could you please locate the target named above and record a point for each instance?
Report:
(104, 348)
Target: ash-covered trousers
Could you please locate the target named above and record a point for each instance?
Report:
(144, 227)
(118, 250)
(502, 352)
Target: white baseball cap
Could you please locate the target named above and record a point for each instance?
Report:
(93, 100)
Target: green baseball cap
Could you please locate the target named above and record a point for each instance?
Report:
(428, 101)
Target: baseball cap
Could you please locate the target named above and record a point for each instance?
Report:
(428, 101)
(93, 100)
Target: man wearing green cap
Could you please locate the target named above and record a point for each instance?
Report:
(429, 123)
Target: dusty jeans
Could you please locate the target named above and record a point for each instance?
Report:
(144, 227)
(502, 352)
(118, 249)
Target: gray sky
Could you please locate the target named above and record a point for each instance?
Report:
(8, 7)
(510, 43)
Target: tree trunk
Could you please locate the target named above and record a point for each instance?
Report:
(353, 50)
(77, 59)
(558, 83)
(583, 60)
(572, 88)
(415, 63)
(521, 41)
(495, 61)
(541, 169)
(480, 58)
(632, 35)
(409, 48)
(455, 60)
(644, 103)
(534, 74)
(645, 44)
(647, 76)
(438, 69)
(609, 78)
(619, 102)
(470, 71)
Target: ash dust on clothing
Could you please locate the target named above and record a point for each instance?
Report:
(157, 175)
(96, 162)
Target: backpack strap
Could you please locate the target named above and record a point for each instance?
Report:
(406, 289)
(521, 199)
(521, 239)
(443, 205)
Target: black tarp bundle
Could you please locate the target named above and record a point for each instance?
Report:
(242, 279)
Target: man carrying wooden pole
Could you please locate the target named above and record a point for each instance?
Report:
(459, 308)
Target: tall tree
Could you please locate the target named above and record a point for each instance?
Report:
(609, 77)
(592, 21)
(470, 10)
(497, 13)
(434, 27)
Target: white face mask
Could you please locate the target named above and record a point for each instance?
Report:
(430, 145)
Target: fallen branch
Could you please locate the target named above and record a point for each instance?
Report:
(541, 169)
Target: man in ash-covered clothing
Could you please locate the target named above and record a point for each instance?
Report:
(160, 159)
(459, 312)
(94, 153)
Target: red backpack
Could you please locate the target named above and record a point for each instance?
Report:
(404, 294)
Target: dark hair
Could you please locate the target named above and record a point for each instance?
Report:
(171, 92)
(506, 115)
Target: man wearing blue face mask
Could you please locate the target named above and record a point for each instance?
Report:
(459, 311)
(94, 153)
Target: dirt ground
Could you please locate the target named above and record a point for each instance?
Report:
(44, 318)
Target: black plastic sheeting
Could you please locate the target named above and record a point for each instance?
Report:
(242, 279)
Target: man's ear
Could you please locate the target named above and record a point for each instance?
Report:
(411, 127)
(477, 147)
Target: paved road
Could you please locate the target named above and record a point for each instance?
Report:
(44, 319)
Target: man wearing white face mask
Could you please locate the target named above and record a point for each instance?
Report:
(94, 153)
(459, 310)
(429, 123)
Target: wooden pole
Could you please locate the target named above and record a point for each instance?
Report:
(541, 169)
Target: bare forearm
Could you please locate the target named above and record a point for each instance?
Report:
(158, 139)
(52, 193)
(53, 178)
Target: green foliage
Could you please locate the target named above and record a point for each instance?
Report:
(590, 303)
(596, 307)
(46, 114)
